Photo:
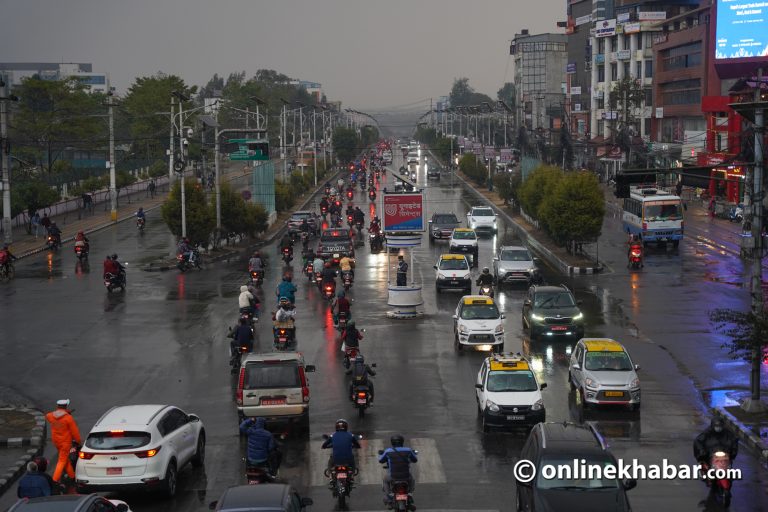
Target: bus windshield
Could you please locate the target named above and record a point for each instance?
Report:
(659, 212)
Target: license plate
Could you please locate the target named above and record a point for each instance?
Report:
(614, 393)
(454, 281)
(361, 400)
(515, 418)
(483, 337)
(282, 339)
(559, 328)
(401, 497)
(270, 401)
(114, 471)
(341, 476)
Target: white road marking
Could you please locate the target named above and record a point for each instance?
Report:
(429, 469)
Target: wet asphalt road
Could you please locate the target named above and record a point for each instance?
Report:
(163, 341)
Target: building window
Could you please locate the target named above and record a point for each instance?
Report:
(681, 92)
(648, 69)
(639, 41)
(647, 126)
(648, 96)
(600, 103)
(614, 72)
(626, 69)
(601, 45)
(601, 73)
(600, 127)
(638, 69)
(682, 57)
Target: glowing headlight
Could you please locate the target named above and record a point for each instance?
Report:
(534, 316)
(492, 406)
(463, 329)
(579, 316)
(539, 405)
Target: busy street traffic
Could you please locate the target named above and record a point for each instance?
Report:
(163, 340)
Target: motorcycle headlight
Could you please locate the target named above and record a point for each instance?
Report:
(492, 406)
(578, 317)
(534, 316)
(499, 329)
(635, 384)
(463, 329)
(539, 405)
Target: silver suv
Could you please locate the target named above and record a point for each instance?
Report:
(274, 386)
(514, 264)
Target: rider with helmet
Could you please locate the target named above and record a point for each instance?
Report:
(81, 240)
(398, 459)
(341, 305)
(286, 289)
(341, 442)
(329, 275)
(247, 301)
(716, 437)
(256, 264)
(6, 257)
(286, 312)
(262, 449)
(360, 371)
(120, 268)
(635, 244)
(485, 278)
(185, 249)
(351, 336)
(375, 226)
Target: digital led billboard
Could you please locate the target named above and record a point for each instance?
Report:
(741, 36)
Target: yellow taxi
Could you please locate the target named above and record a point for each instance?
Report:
(452, 271)
(477, 323)
(508, 393)
(604, 374)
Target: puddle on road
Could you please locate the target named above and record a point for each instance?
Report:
(724, 397)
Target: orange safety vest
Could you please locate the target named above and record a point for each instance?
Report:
(63, 428)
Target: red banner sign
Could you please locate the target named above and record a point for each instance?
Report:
(404, 212)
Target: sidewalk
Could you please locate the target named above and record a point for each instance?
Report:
(22, 436)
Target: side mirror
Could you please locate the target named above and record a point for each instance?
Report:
(503, 316)
(373, 365)
(479, 386)
(434, 267)
(543, 386)
(212, 505)
(122, 507)
(527, 302)
(455, 317)
(629, 483)
(576, 366)
(310, 368)
(193, 417)
(537, 260)
(306, 502)
(637, 367)
(495, 258)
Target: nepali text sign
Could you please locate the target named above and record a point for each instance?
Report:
(478, 148)
(570, 68)
(490, 153)
(505, 155)
(403, 212)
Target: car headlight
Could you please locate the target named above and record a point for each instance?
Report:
(492, 406)
(539, 405)
(440, 276)
(635, 384)
(463, 329)
(499, 329)
(590, 383)
(532, 270)
(579, 316)
(534, 316)
(467, 276)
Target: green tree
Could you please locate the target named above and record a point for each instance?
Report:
(748, 333)
(443, 148)
(507, 95)
(54, 115)
(626, 96)
(239, 216)
(507, 185)
(158, 168)
(143, 104)
(572, 212)
(345, 144)
(369, 135)
(462, 94)
(201, 217)
(473, 169)
(123, 179)
(31, 195)
(534, 189)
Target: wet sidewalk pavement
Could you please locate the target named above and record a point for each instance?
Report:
(22, 436)
(752, 428)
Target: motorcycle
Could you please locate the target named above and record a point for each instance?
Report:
(236, 359)
(258, 474)
(342, 482)
(309, 270)
(635, 257)
(140, 224)
(305, 240)
(361, 397)
(363, 185)
(342, 320)
(249, 315)
(319, 280)
(372, 194)
(399, 496)
(376, 242)
(487, 290)
(336, 221)
(350, 194)
(287, 255)
(183, 263)
(112, 281)
(329, 290)
(53, 242)
(81, 251)
(257, 277)
(327, 190)
(323, 211)
(720, 489)
(350, 353)
(736, 213)
(346, 278)
(350, 220)
(285, 335)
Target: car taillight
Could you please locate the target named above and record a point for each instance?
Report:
(304, 387)
(147, 454)
(645, 226)
(240, 383)
(85, 455)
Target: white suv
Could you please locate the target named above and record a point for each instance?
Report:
(482, 219)
(464, 241)
(140, 446)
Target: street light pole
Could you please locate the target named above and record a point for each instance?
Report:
(170, 146)
(112, 177)
(5, 164)
(182, 163)
(314, 140)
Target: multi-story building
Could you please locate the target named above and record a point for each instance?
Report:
(539, 63)
(15, 72)
(313, 88)
(578, 71)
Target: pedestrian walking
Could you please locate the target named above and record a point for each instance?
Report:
(35, 220)
(679, 189)
(63, 432)
(711, 208)
(151, 187)
(45, 222)
(402, 269)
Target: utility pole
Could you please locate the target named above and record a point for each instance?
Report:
(170, 146)
(112, 177)
(5, 163)
(182, 165)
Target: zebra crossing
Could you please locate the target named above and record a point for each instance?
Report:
(429, 469)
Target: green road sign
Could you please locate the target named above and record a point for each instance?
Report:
(250, 149)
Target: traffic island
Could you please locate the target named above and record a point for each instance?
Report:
(404, 300)
(752, 428)
(22, 437)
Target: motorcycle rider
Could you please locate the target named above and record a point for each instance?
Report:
(242, 336)
(318, 264)
(375, 226)
(351, 336)
(341, 305)
(485, 278)
(247, 302)
(324, 204)
(63, 432)
(286, 289)
(340, 183)
(110, 267)
(329, 275)
(140, 215)
(350, 212)
(399, 459)
(286, 243)
(716, 437)
(82, 240)
(358, 216)
(34, 483)
(262, 448)
(360, 371)
(347, 264)
(55, 232)
(635, 244)
(256, 264)
(286, 312)
(342, 442)
(120, 269)
(6, 257)
(185, 249)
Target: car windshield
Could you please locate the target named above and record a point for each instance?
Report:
(506, 382)
(553, 300)
(464, 235)
(577, 484)
(117, 440)
(453, 264)
(341, 235)
(482, 212)
(445, 219)
(300, 216)
(659, 212)
(264, 375)
(515, 255)
(480, 312)
(608, 362)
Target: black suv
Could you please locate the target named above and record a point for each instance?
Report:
(442, 225)
(561, 444)
(552, 311)
(433, 172)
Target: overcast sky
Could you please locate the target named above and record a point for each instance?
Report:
(365, 53)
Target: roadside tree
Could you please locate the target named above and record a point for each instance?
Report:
(572, 211)
(540, 183)
(201, 217)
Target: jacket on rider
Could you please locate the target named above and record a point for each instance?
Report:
(110, 267)
(351, 336)
(261, 442)
(710, 441)
(342, 443)
(287, 289)
(485, 279)
(329, 275)
(399, 460)
(246, 298)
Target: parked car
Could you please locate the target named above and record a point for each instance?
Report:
(140, 446)
(262, 497)
(552, 311)
(562, 443)
(603, 373)
(274, 386)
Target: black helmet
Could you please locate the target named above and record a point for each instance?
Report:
(114, 256)
(717, 424)
(397, 441)
(342, 425)
(486, 270)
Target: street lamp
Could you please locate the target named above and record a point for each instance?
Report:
(180, 166)
(5, 163)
